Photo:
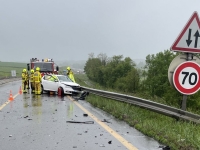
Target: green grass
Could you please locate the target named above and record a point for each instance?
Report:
(179, 135)
(6, 67)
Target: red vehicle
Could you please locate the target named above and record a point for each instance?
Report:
(47, 66)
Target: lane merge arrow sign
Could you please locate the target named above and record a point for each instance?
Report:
(188, 40)
(186, 77)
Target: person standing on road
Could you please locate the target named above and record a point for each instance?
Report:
(32, 81)
(37, 79)
(70, 74)
(24, 80)
(27, 80)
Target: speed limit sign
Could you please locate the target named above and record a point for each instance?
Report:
(186, 78)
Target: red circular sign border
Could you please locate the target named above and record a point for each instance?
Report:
(176, 76)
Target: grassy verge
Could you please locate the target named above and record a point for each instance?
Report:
(6, 67)
(179, 135)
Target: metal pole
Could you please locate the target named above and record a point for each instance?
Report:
(183, 107)
(189, 56)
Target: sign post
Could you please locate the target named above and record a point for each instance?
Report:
(186, 75)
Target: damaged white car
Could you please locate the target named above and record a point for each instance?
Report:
(54, 83)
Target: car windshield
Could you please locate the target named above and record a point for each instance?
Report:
(64, 79)
(44, 66)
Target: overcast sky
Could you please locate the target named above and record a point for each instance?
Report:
(72, 29)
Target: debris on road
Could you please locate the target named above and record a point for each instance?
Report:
(164, 147)
(84, 122)
(104, 120)
(85, 115)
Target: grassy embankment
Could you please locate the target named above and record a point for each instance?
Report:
(179, 135)
(6, 67)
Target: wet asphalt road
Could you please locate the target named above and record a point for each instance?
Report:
(31, 122)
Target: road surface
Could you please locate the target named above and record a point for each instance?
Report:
(32, 122)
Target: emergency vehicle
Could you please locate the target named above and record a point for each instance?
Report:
(47, 66)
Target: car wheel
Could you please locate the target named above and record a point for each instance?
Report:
(60, 91)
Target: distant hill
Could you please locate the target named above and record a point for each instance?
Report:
(73, 64)
(81, 64)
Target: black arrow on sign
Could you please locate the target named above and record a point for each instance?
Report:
(196, 38)
(189, 36)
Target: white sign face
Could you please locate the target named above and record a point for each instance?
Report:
(186, 78)
(188, 40)
(176, 62)
(13, 73)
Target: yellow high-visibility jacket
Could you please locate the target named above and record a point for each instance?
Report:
(24, 76)
(37, 77)
(32, 77)
(71, 75)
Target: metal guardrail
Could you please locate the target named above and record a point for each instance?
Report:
(153, 106)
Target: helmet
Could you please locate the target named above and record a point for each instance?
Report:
(32, 71)
(68, 68)
(37, 69)
(24, 70)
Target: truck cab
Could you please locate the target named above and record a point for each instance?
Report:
(47, 66)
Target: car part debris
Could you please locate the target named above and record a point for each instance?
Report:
(84, 122)
(104, 120)
(85, 115)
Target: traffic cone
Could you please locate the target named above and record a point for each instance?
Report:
(20, 90)
(11, 96)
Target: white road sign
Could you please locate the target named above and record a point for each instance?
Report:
(186, 78)
(189, 38)
(177, 61)
(13, 73)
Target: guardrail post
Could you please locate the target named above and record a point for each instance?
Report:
(183, 107)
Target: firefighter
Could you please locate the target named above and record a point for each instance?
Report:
(24, 80)
(27, 80)
(37, 79)
(70, 74)
(32, 81)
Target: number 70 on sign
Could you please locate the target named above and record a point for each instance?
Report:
(186, 78)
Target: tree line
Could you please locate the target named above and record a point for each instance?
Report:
(151, 81)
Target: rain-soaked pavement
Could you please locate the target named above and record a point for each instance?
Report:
(31, 122)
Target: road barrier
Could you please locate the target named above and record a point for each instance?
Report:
(147, 104)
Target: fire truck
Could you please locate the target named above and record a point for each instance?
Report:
(47, 66)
